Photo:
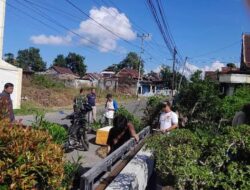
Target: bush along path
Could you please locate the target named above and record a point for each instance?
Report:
(32, 158)
(203, 158)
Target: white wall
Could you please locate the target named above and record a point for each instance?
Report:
(9, 73)
(2, 18)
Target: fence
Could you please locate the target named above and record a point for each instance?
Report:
(88, 179)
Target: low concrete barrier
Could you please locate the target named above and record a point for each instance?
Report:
(136, 174)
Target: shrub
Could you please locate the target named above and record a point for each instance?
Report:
(58, 133)
(152, 111)
(234, 103)
(46, 81)
(202, 159)
(131, 117)
(29, 159)
(200, 101)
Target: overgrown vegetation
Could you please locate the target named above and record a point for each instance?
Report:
(57, 132)
(30, 159)
(234, 103)
(204, 154)
(131, 117)
(46, 82)
(203, 159)
(152, 111)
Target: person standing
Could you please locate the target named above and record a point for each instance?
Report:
(168, 118)
(91, 97)
(111, 107)
(6, 106)
(79, 101)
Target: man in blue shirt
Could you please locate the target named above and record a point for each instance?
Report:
(91, 97)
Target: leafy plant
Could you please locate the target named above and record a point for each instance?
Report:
(96, 125)
(234, 103)
(46, 82)
(29, 159)
(152, 110)
(200, 100)
(131, 117)
(203, 159)
(58, 133)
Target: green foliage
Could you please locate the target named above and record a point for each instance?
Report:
(234, 103)
(202, 159)
(57, 132)
(132, 61)
(46, 82)
(200, 100)
(29, 159)
(152, 111)
(70, 171)
(76, 63)
(96, 125)
(28, 108)
(9, 58)
(131, 117)
(30, 58)
(60, 61)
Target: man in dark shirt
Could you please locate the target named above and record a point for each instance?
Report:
(6, 106)
(92, 102)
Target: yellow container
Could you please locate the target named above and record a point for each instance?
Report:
(102, 135)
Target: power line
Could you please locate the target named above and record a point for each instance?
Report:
(217, 50)
(53, 21)
(101, 25)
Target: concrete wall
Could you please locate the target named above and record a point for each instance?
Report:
(235, 78)
(9, 73)
(136, 174)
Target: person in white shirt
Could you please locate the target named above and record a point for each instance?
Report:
(168, 118)
(110, 109)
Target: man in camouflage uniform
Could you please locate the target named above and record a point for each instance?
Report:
(79, 102)
(6, 106)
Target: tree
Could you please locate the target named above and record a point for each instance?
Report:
(231, 65)
(132, 61)
(196, 76)
(30, 58)
(60, 61)
(76, 63)
(9, 58)
(166, 75)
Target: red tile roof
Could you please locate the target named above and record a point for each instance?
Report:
(126, 73)
(246, 49)
(63, 70)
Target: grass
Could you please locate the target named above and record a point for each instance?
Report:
(28, 108)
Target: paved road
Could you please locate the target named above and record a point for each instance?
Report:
(56, 117)
(89, 158)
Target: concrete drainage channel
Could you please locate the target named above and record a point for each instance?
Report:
(129, 167)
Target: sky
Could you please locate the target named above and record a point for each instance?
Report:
(208, 32)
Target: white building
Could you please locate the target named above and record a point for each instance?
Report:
(8, 72)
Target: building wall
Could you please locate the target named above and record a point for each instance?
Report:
(9, 73)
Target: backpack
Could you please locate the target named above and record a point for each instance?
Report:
(115, 104)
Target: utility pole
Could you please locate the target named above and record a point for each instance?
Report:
(142, 37)
(173, 79)
(2, 19)
(184, 66)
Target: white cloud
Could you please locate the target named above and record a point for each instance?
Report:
(190, 68)
(91, 31)
(111, 19)
(157, 69)
(51, 40)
